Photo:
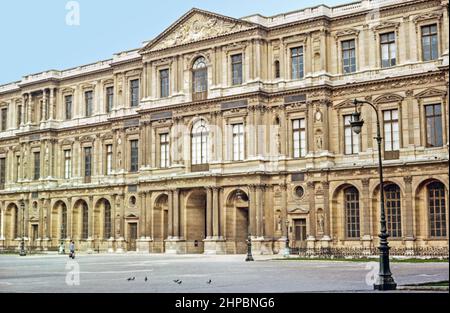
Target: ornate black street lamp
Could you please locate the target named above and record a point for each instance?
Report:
(22, 242)
(287, 251)
(385, 281)
(249, 249)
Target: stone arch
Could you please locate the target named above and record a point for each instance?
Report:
(59, 221)
(338, 212)
(11, 221)
(196, 228)
(79, 222)
(390, 207)
(161, 221)
(421, 207)
(237, 220)
(103, 219)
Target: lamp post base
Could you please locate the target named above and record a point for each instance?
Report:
(385, 284)
(249, 258)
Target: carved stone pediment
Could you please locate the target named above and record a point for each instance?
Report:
(346, 32)
(388, 98)
(345, 104)
(427, 16)
(86, 138)
(384, 25)
(66, 142)
(107, 136)
(197, 25)
(432, 92)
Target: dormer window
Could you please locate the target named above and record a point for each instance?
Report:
(199, 79)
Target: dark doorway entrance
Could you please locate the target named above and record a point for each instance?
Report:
(132, 236)
(300, 233)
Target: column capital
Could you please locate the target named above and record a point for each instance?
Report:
(407, 179)
(365, 182)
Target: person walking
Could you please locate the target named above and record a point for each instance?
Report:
(72, 250)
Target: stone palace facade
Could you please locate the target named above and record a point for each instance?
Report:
(220, 127)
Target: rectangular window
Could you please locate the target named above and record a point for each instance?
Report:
(4, 119)
(351, 140)
(238, 142)
(297, 63)
(37, 165)
(164, 150)
(87, 162)
(2, 172)
(164, 83)
(109, 99)
(429, 42)
(433, 116)
(348, 56)
(134, 92)
(88, 99)
(299, 137)
(134, 162)
(68, 105)
(109, 159)
(19, 115)
(388, 49)
(391, 130)
(67, 164)
(236, 69)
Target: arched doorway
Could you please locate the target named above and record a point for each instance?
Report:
(161, 222)
(59, 223)
(196, 221)
(12, 230)
(431, 211)
(392, 207)
(102, 223)
(346, 213)
(237, 222)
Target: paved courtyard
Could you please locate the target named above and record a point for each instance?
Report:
(229, 273)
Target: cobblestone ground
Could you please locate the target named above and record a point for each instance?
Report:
(229, 273)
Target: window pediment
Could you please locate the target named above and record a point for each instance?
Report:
(427, 16)
(386, 26)
(347, 32)
(388, 98)
(432, 92)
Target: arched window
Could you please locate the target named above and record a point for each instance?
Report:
(393, 210)
(199, 79)
(107, 226)
(351, 203)
(277, 69)
(200, 143)
(436, 209)
(85, 221)
(63, 222)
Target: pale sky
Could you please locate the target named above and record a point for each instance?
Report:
(35, 37)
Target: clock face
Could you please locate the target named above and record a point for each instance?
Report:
(318, 116)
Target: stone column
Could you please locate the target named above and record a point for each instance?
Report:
(29, 108)
(52, 103)
(408, 213)
(310, 240)
(142, 226)
(366, 236)
(215, 211)
(326, 210)
(209, 200)
(170, 205)
(2, 227)
(176, 213)
(252, 210)
(259, 211)
(44, 105)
